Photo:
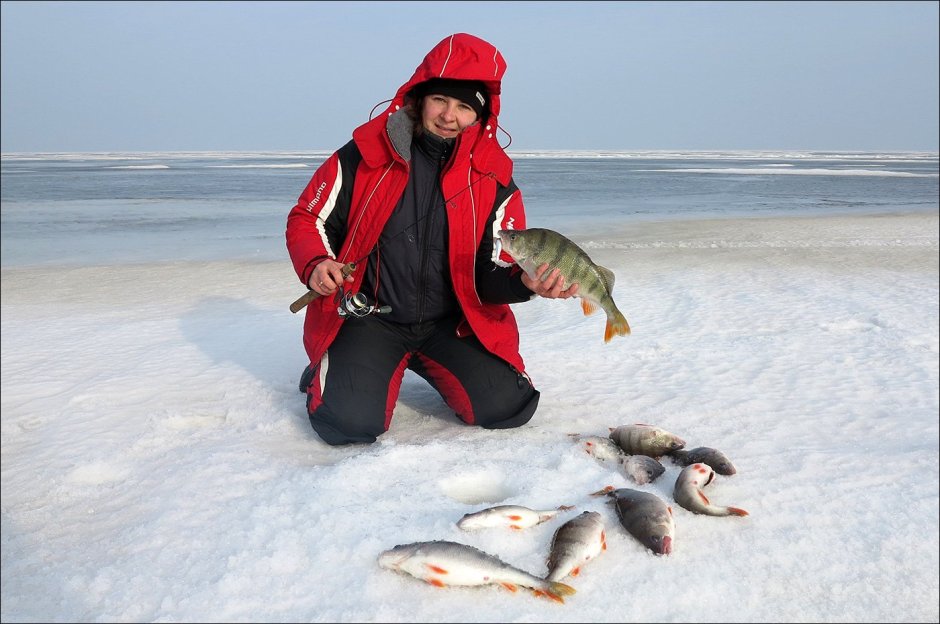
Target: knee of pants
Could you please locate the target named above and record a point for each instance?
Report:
(337, 431)
(353, 408)
(515, 419)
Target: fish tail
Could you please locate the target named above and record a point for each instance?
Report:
(561, 589)
(616, 326)
(546, 594)
(555, 592)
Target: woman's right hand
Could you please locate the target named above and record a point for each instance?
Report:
(327, 277)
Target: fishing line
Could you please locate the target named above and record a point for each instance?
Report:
(351, 266)
(379, 245)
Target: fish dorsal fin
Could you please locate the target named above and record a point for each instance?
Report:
(607, 276)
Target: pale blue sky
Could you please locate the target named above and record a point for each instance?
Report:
(121, 76)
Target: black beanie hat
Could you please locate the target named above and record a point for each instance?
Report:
(470, 92)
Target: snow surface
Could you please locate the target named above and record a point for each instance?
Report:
(158, 465)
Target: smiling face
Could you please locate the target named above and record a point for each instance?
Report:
(446, 116)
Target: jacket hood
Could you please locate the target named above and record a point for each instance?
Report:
(457, 57)
(461, 57)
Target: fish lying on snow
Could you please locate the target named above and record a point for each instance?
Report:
(601, 449)
(704, 455)
(537, 246)
(575, 543)
(642, 469)
(688, 492)
(641, 439)
(510, 516)
(645, 516)
(443, 564)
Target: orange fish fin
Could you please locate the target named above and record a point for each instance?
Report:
(557, 590)
(576, 572)
(437, 582)
(703, 497)
(437, 569)
(588, 307)
(737, 511)
(510, 587)
(617, 326)
(514, 517)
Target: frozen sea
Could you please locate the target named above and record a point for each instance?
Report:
(101, 208)
(158, 464)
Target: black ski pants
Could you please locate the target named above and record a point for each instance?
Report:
(352, 391)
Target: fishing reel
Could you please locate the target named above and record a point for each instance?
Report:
(359, 306)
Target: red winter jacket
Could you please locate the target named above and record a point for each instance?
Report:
(334, 218)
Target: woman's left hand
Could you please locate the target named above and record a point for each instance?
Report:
(552, 287)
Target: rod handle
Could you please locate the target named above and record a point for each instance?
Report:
(310, 295)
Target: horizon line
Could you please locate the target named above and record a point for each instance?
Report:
(778, 152)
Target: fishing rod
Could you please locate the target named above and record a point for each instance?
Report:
(311, 295)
